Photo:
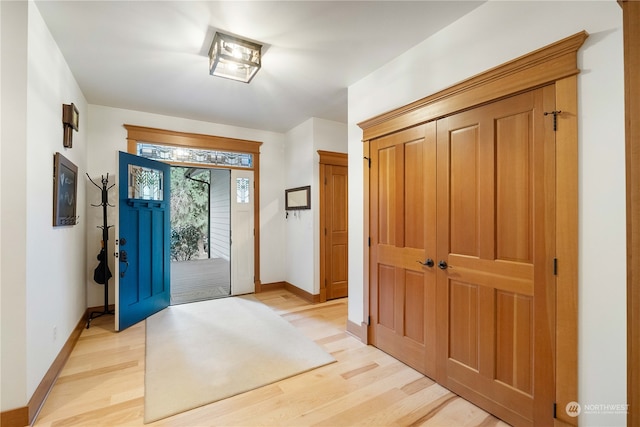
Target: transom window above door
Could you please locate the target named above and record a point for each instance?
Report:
(194, 155)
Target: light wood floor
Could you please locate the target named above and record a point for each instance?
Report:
(102, 383)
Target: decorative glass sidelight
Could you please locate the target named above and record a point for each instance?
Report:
(145, 183)
(242, 190)
(194, 155)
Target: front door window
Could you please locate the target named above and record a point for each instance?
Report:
(145, 183)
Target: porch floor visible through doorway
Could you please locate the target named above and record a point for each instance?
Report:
(198, 280)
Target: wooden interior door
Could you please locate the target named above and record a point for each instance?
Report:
(336, 231)
(403, 221)
(496, 246)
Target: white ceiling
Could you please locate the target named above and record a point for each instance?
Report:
(152, 55)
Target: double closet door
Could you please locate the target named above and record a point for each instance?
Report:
(462, 284)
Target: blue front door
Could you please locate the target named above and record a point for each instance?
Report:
(143, 240)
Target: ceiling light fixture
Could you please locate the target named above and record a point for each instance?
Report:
(234, 58)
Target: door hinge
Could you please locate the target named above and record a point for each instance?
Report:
(555, 118)
(368, 320)
(325, 231)
(368, 159)
(555, 408)
(369, 241)
(555, 266)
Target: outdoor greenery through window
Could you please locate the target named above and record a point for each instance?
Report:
(189, 213)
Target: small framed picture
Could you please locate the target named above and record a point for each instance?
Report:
(65, 187)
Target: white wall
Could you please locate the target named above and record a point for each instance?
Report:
(299, 232)
(56, 257)
(43, 267)
(13, 39)
(490, 35)
(107, 136)
(303, 226)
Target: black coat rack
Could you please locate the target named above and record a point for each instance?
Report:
(102, 273)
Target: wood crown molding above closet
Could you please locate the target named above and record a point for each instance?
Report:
(542, 66)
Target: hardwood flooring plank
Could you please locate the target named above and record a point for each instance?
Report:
(358, 371)
(354, 414)
(93, 373)
(418, 385)
(332, 338)
(459, 412)
(406, 411)
(433, 408)
(111, 415)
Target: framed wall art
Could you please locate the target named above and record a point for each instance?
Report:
(65, 187)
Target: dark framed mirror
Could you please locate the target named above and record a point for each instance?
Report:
(297, 198)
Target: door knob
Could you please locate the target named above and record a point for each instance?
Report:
(442, 265)
(429, 262)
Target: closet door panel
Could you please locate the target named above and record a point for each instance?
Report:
(491, 162)
(463, 187)
(403, 238)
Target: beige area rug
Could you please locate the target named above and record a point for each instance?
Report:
(206, 351)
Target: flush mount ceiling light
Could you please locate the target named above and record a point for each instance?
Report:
(234, 58)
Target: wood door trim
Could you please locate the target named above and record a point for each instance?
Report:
(186, 139)
(631, 34)
(556, 63)
(366, 241)
(540, 67)
(323, 237)
(335, 159)
(567, 246)
(137, 134)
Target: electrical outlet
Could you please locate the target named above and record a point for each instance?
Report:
(55, 333)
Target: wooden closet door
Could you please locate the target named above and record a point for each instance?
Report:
(336, 231)
(496, 242)
(403, 239)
